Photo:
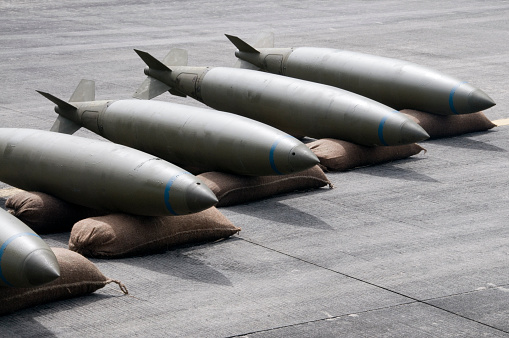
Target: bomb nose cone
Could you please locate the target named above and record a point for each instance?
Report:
(302, 158)
(399, 129)
(41, 267)
(199, 197)
(479, 100)
(411, 132)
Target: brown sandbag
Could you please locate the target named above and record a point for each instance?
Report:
(78, 276)
(235, 189)
(338, 155)
(118, 235)
(438, 126)
(45, 213)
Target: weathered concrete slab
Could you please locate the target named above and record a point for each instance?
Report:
(419, 226)
(486, 305)
(412, 320)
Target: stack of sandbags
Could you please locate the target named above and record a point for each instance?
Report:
(78, 276)
(119, 235)
(338, 155)
(438, 126)
(234, 189)
(45, 213)
(116, 235)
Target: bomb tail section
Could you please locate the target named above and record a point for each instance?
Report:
(158, 74)
(67, 122)
(241, 45)
(249, 57)
(81, 111)
(66, 111)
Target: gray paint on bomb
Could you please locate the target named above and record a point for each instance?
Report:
(295, 106)
(25, 259)
(395, 83)
(99, 174)
(185, 135)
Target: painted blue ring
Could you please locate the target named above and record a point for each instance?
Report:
(381, 127)
(167, 192)
(451, 97)
(4, 246)
(271, 154)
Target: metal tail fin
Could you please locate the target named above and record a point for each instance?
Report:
(151, 61)
(176, 57)
(265, 40)
(84, 92)
(150, 88)
(60, 103)
(242, 45)
(62, 124)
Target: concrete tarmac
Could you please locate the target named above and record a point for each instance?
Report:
(416, 248)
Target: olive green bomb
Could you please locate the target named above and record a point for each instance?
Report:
(99, 174)
(297, 107)
(396, 83)
(25, 259)
(186, 136)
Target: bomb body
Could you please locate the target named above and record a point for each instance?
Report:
(191, 136)
(295, 106)
(98, 174)
(396, 83)
(25, 259)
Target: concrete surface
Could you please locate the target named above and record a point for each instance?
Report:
(413, 248)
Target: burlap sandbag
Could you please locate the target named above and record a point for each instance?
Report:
(118, 235)
(235, 189)
(78, 276)
(338, 155)
(438, 126)
(45, 213)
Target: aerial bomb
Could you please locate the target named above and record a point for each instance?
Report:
(99, 174)
(25, 259)
(396, 83)
(185, 135)
(300, 108)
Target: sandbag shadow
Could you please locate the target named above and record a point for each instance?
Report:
(274, 210)
(391, 170)
(53, 307)
(31, 327)
(179, 264)
(467, 142)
